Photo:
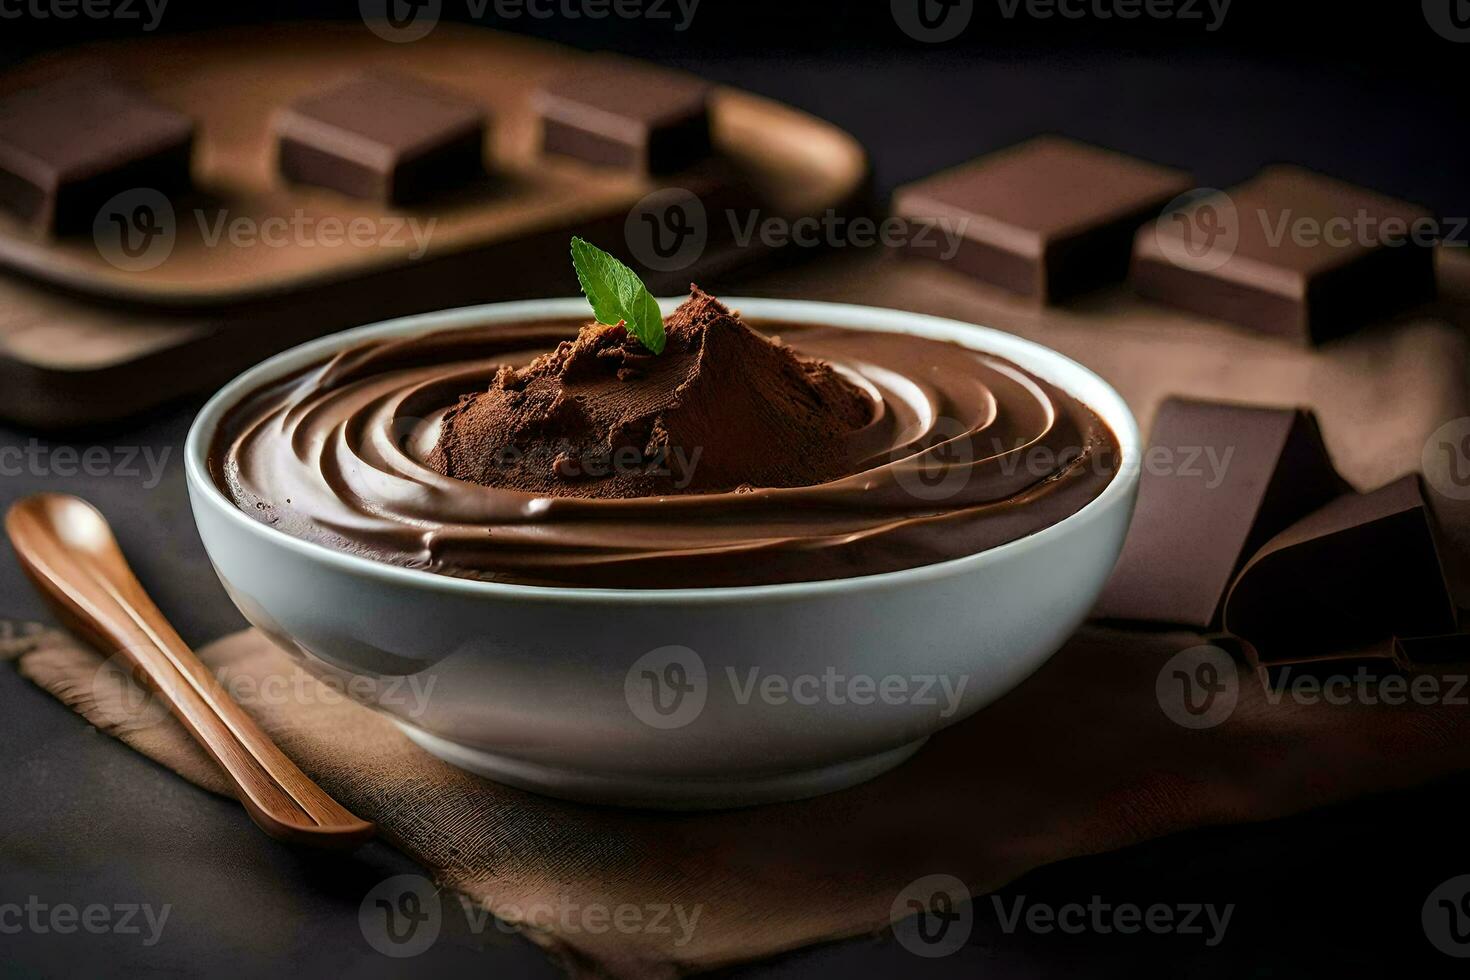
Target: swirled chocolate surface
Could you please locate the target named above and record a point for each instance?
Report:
(927, 451)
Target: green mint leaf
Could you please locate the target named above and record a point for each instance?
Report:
(617, 294)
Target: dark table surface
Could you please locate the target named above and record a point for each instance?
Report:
(85, 820)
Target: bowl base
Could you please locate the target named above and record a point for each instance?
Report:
(660, 793)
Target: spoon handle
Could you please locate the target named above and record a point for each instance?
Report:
(69, 552)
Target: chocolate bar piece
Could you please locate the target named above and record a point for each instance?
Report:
(1385, 656)
(1049, 218)
(67, 147)
(1363, 569)
(1382, 658)
(1290, 253)
(1218, 481)
(618, 113)
(383, 138)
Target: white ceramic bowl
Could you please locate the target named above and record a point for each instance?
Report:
(675, 698)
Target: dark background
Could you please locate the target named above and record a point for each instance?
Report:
(1365, 91)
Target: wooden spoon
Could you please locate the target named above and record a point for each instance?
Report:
(69, 552)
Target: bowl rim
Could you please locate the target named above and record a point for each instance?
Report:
(1052, 366)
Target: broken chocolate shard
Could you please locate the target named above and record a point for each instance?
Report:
(1363, 569)
(1049, 218)
(1374, 658)
(66, 148)
(1373, 661)
(383, 138)
(617, 113)
(1289, 253)
(1218, 481)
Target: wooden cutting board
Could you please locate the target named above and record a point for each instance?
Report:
(84, 341)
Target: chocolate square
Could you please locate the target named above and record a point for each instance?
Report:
(1363, 569)
(384, 138)
(1049, 218)
(1290, 253)
(1379, 659)
(623, 114)
(67, 147)
(1218, 481)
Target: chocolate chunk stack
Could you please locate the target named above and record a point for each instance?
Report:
(69, 146)
(1289, 253)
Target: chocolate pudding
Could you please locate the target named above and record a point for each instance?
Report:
(558, 453)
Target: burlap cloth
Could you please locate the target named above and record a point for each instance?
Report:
(1085, 756)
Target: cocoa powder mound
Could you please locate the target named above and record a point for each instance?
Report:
(601, 416)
